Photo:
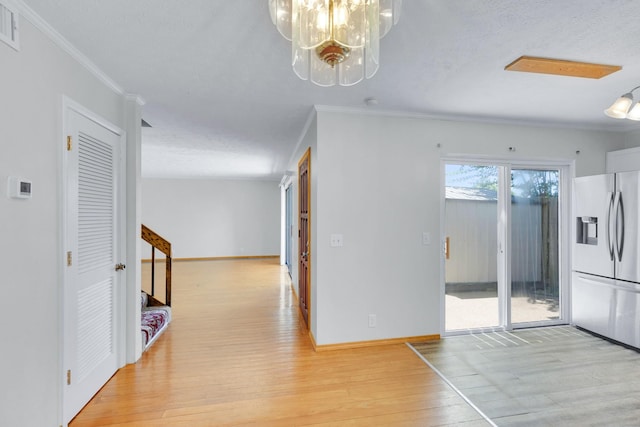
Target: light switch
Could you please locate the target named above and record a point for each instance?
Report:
(373, 320)
(426, 238)
(336, 240)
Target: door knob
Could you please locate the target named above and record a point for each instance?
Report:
(120, 267)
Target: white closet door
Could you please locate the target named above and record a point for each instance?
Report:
(91, 281)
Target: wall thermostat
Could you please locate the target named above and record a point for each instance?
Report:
(19, 188)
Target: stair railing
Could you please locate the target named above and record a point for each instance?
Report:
(158, 242)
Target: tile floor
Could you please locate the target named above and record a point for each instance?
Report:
(555, 376)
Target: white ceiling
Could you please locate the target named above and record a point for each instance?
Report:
(224, 102)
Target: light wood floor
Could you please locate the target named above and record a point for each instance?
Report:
(235, 354)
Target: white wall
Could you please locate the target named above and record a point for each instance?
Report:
(378, 183)
(631, 139)
(33, 82)
(213, 218)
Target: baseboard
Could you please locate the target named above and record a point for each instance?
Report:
(313, 341)
(374, 343)
(360, 344)
(215, 258)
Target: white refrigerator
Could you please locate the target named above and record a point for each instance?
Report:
(605, 285)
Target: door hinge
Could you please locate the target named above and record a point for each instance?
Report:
(69, 143)
(69, 259)
(69, 377)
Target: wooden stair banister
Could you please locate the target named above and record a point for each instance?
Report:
(158, 242)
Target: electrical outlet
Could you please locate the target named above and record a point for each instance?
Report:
(372, 320)
(426, 238)
(336, 240)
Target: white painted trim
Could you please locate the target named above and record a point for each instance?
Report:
(66, 46)
(283, 224)
(122, 249)
(443, 237)
(133, 112)
(285, 183)
(504, 247)
(69, 103)
(136, 98)
(62, 240)
(367, 111)
(312, 115)
(487, 159)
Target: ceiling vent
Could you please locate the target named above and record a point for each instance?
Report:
(9, 25)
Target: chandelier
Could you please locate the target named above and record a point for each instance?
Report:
(335, 41)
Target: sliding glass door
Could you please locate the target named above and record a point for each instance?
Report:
(471, 263)
(503, 233)
(535, 258)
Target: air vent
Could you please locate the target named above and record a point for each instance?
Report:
(9, 25)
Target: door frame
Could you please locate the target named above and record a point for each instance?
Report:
(69, 105)
(566, 168)
(286, 222)
(288, 197)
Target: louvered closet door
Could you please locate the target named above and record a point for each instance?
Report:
(91, 292)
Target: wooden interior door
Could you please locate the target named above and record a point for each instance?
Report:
(304, 234)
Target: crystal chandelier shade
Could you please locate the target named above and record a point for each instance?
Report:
(335, 41)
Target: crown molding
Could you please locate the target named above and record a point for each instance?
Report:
(472, 119)
(305, 129)
(66, 46)
(136, 98)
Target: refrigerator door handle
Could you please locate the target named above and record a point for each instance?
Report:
(619, 212)
(600, 281)
(613, 284)
(608, 233)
